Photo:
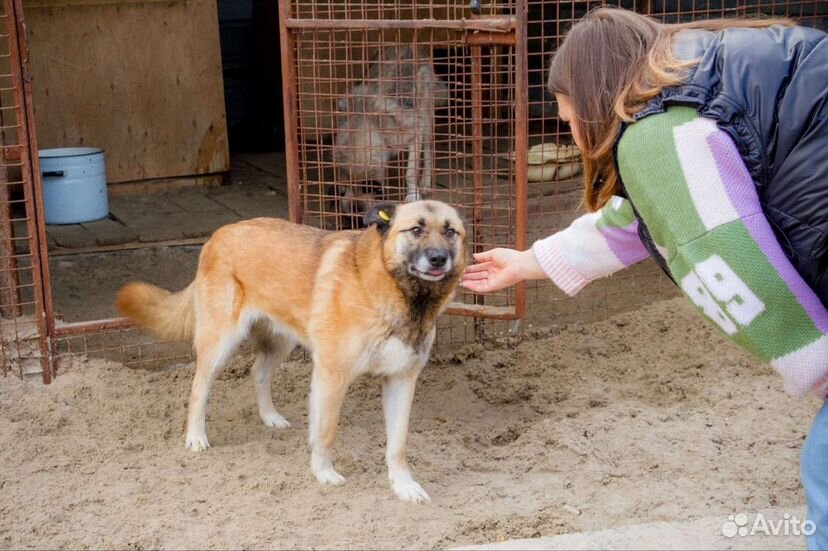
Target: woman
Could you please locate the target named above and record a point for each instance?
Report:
(706, 147)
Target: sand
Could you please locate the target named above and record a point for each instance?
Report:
(649, 416)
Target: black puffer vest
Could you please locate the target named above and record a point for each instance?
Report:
(768, 89)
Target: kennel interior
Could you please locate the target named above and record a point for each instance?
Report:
(377, 97)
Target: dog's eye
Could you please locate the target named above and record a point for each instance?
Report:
(450, 232)
(417, 231)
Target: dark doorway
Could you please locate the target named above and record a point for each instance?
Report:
(252, 69)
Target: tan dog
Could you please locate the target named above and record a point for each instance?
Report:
(364, 302)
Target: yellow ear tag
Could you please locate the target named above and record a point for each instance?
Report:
(384, 215)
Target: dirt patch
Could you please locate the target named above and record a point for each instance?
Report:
(648, 416)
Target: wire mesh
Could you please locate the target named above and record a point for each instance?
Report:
(24, 301)
(407, 110)
(116, 340)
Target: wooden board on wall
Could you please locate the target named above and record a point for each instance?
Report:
(142, 80)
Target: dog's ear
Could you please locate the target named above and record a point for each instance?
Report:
(381, 215)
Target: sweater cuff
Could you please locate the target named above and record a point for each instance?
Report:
(557, 267)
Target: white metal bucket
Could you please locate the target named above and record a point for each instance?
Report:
(74, 184)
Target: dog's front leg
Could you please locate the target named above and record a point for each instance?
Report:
(428, 152)
(397, 396)
(411, 174)
(328, 387)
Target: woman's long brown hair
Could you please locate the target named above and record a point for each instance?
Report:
(610, 64)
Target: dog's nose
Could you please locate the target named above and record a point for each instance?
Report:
(436, 257)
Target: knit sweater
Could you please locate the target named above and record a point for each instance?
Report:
(691, 187)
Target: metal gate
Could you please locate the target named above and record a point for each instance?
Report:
(26, 320)
(357, 75)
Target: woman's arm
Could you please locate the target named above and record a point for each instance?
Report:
(593, 246)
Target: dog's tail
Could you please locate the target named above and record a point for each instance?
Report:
(169, 316)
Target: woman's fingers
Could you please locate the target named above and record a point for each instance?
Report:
(484, 256)
(475, 285)
(478, 267)
(473, 276)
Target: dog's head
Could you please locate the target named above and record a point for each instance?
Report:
(423, 240)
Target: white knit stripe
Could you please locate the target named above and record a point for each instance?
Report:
(586, 249)
(804, 368)
(562, 274)
(704, 183)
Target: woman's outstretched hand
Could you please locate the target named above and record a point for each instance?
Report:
(500, 268)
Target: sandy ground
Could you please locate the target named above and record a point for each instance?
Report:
(649, 416)
(701, 533)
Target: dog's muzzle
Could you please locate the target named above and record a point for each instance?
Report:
(432, 264)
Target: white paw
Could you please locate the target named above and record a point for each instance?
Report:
(275, 420)
(329, 476)
(412, 196)
(407, 489)
(197, 442)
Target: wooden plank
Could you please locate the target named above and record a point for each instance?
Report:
(58, 253)
(144, 187)
(33, 4)
(141, 80)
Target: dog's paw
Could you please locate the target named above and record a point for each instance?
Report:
(409, 490)
(275, 420)
(197, 442)
(412, 196)
(329, 476)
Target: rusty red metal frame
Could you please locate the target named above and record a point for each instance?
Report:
(96, 326)
(47, 324)
(489, 24)
(30, 168)
(521, 144)
(288, 47)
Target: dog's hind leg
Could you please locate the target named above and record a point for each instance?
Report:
(328, 387)
(270, 352)
(397, 396)
(213, 347)
(209, 362)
